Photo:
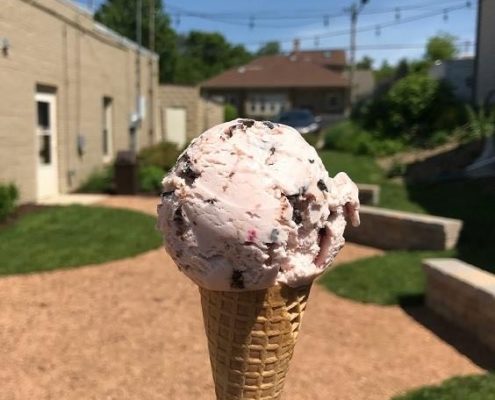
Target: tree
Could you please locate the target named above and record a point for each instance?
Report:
(441, 47)
(385, 71)
(365, 63)
(269, 49)
(402, 69)
(204, 54)
(120, 15)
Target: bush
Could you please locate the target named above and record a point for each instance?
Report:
(414, 108)
(100, 181)
(8, 198)
(350, 137)
(150, 179)
(229, 112)
(162, 155)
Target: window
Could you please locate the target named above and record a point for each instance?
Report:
(44, 133)
(107, 142)
(333, 100)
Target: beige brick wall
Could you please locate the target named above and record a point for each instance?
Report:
(55, 44)
(201, 114)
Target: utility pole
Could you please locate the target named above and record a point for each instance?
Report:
(354, 11)
(136, 124)
(151, 44)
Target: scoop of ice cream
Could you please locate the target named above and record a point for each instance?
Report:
(249, 204)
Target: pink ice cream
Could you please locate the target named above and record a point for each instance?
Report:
(249, 204)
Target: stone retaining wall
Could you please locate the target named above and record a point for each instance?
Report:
(463, 294)
(399, 230)
(369, 194)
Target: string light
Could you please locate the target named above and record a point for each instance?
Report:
(378, 30)
(317, 41)
(397, 14)
(445, 15)
(326, 20)
(251, 22)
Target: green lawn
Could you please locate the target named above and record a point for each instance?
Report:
(361, 169)
(61, 237)
(478, 387)
(396, 276)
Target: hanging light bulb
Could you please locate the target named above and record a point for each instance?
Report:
(468, 4)
(317, 41)
(378, 30)
(251, 22)
(445, 15)
(397, 13)
(177, 20)
(326, 20)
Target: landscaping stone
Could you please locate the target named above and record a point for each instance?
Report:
(399, 230)
(463, 294)
(369, 194)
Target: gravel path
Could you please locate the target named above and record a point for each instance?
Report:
(132, 329)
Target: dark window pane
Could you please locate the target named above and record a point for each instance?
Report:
(43, 114)
(45, 149)
(105, 142)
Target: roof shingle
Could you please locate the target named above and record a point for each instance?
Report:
(302, 69)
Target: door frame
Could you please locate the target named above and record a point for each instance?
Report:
(51, 99)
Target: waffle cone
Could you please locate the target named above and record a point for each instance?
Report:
(251, 338)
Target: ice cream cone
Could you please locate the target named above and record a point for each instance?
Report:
(251, 338)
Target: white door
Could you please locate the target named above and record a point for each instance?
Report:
(175, 124)
(46, 141)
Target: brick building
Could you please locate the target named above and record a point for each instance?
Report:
(185, 114)
(73, 93)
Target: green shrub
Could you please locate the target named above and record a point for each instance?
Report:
(438, 138)
(414, 108)
(481, 122)
(150, 179)
(162, 155)
(229, 112)
(397, 169)
(100, 181)
(8, 198)
(350, 137)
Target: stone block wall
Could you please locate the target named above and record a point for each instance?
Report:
(399, 230)
(464, 295)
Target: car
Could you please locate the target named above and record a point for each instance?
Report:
(302, 120)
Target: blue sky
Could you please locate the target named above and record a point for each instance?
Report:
(285, 20)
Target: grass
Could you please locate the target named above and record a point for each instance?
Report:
(362, 169)
(477, 387)
(62, 237)
(394, 278)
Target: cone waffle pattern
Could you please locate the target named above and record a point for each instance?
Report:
(251, 338)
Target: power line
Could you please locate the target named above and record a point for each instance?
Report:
(300, 14)
(367, 28)
(248, 19)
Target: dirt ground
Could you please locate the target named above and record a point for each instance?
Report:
(132, 329)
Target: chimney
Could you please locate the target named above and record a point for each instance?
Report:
(296, 46)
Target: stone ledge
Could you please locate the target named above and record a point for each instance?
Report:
(399, 230)
(369, 194)
(463, 294)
